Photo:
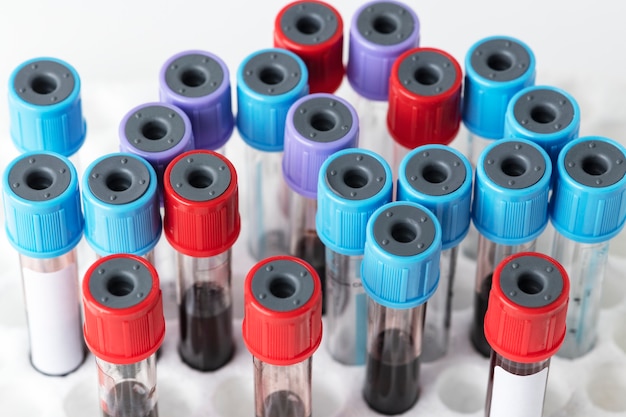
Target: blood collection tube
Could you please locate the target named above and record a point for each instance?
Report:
(45, 109)
(587, 210)
(202, 224)
(317, 126)
(525, 325)
(400, 272)
(268, 83)
(44, 224)
(380, 32)
(121, 206)
(424, 100)
(313, 30)
(282, 328)
(439, 178)
(496, 68)
(124, 327)
(352, 184)
(198, 83)
(509, 211)
(157, 132)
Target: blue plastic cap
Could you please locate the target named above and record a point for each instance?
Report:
(400, 267)
(268, 83)
(511, 187)
(45, 107)
(588, 203)
(121, 204)
(42, 205)
(496, 68)
(548, 116)
(352, 184)
(439, 178)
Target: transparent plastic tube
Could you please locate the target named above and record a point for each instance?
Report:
(205, 310)
(393, 357)
(374, 134)
(475, 146)
(282, 391)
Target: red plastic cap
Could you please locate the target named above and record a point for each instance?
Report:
(525, 320)
(424, 98)
(313, 30)
(201, 203)
(282, 322)
(124, 321)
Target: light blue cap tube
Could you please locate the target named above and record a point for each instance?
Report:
(439, 178)
(400, 267)
(588, 204)
(511, 187)
(496, 68)
(352, 184)
(121, 205)
(268, 83)
(45, 107)
(42, 205)
(546, 115)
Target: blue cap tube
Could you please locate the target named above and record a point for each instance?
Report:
(121, 205)
(496, 68)
(42, 205)
(45, 107)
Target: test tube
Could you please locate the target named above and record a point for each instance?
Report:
(380, 32)
(202, 223)
(124, 327)
(268, 83)
(317, 126)
(157, 132)
(509, 211)
(197, 82)
(525, 325)
(400, 272)
(313, 30)
(45, 109)
(439, 178)
(282, 328)
(496, 68)
(424, 100)
(121, 206)
(352, 184)
(587, 210)
(44, 224)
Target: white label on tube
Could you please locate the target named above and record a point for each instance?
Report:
(54, 323)
(518, 396)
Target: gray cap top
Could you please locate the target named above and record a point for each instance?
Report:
(322, 119)
(435, 172)
(200, 177)
(514, 165)
(355, 176)
(404, 230)
(118, 179)
(44, 83)
(272, 73)
(155, 129)
(282, 285)
(427, 73)
(543, 111)
(385, 23)
(595, 163)
(194, 75)
(39, 177)
(120, 283)
(531, 281)
(309, 23)
(500, 60)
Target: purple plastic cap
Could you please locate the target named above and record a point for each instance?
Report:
(318, 125)
(379, 33)
(198, 83)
